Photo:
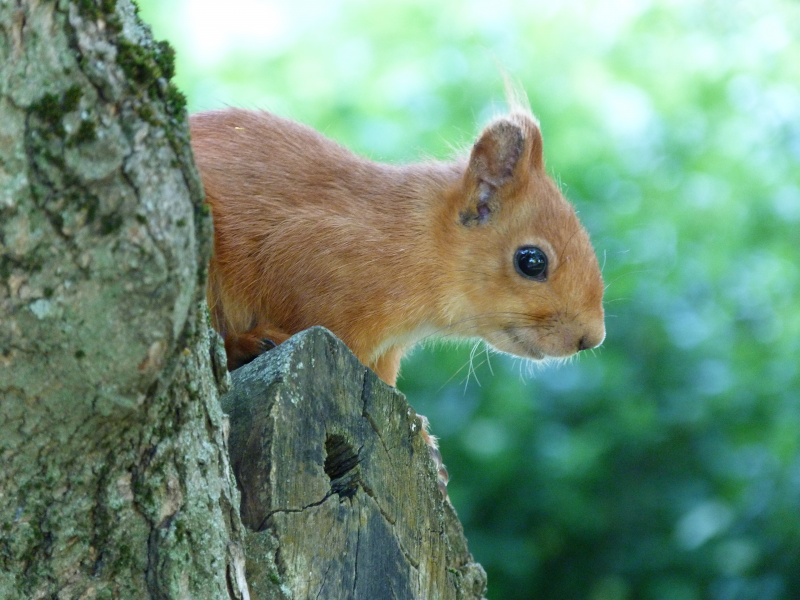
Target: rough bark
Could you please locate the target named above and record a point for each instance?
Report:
(114, 479)
(338, 489)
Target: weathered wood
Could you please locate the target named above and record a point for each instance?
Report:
(338, 487)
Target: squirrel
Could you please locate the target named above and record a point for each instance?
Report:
(308, 233)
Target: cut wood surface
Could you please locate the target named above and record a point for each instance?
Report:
(338, 488)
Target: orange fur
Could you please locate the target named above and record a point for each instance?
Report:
(307, 233)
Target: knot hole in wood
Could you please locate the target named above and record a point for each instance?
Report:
(341, 466)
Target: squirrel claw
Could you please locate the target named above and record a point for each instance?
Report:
(442, 476)
(242, 348)
(267, 345)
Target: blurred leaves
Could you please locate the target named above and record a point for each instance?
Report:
(665, 465)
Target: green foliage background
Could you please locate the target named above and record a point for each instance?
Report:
(665, 465)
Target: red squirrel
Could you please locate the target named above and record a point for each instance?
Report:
(307, 233)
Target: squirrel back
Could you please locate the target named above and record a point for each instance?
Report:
(307, 233)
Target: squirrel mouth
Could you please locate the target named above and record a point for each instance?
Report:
(520, 345)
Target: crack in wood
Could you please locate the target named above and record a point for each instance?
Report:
(324, 581)
(365, 395)
(355, 564)
(265, 522)
(411, 560)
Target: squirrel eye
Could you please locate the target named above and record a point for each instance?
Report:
(531, 262)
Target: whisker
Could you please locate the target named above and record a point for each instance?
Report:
(474, 322)
(563, 250)
(466, 383)
(472, 368)
(488, 361)
(452, 377)
(477, 319)
(621, 275)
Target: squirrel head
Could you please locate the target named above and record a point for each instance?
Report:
(527, 278)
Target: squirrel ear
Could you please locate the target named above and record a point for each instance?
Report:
(496, 153)
(498, 159)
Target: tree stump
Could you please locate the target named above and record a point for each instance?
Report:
(338, 489)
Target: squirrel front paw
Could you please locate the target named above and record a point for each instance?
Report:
(242, 348)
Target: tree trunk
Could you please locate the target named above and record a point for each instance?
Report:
(114, 480)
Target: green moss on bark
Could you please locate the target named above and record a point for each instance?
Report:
(51, 109)
(91, 9)
(87, 132)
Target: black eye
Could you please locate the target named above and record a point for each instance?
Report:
(531, 262)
